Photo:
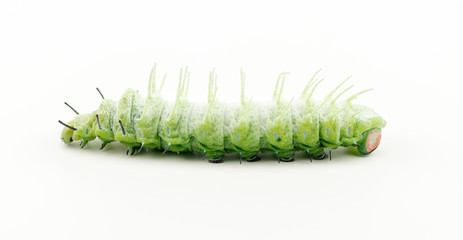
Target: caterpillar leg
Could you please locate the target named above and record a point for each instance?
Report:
(370, 142)
(103, 145)
(321, 156)
(250, 158)
(141, 147)
(317, 154)
(217, 159)
(287, 159)
(132, 150)
(253, 158)
(83, 143)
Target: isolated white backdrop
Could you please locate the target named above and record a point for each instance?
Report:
(410, 52)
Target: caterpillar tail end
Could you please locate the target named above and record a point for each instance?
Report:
(371, 141)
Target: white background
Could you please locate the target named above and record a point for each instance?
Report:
(410, 52)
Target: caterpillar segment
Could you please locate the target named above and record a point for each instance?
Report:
(214, 129)
(243, 133)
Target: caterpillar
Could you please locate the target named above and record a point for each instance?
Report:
(214, 129)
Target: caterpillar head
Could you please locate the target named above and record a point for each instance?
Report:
(370, 141)
(68, 131)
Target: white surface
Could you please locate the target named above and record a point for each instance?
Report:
(410, 52)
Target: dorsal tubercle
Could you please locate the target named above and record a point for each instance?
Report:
(279, 87)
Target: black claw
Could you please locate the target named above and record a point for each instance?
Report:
(253, 158)
(329, 149)
(320, 157)
(216, 160)
(103, 145)
(287, 159)
(83, 143)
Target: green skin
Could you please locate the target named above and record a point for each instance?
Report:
(106, 113)
(84, 125)
(67, 133)
(244, 134)
(243, 131)
(207, 131)
(307, 134)
(129, 109)
(147, 124)
(278, 136)
(215, 130)
(330, 129)
(173, 127)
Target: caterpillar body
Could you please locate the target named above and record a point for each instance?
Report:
(215, 129)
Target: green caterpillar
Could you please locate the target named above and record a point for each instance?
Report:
(214, 129)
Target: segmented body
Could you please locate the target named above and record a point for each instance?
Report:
(214, 129)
